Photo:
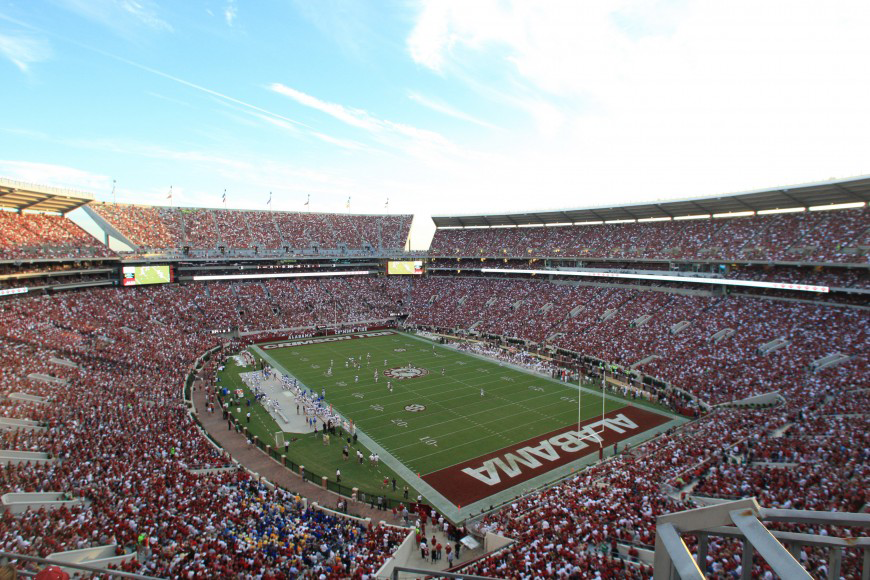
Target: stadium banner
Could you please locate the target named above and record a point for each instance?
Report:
(302, 334)
(282, 275)
(688, 279)
(405, 267)
(324, 339)
(11, 291)
(141, 275)
(479, 478)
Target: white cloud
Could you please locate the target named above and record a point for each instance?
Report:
(122, 16)
(645, 98)
(230, 12)
(343, 143)
(145, 12)
(54, 175)
(222, 96)
(347, 23)
(149, 150)
(276, 122)
(24, 50)
(430, 38)
(362, 119)
(355, 117)
(449, 110)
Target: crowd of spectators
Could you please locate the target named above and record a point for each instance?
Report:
(146, 226)
(41, 236)
(715, 347)
(200, 228)
(607, 512)
(60, 282)
(610, 509)
(233, 230)
(126, 445)
(162, 228)
(831, 277)
(121, 439)
(608, 324)
(283, 303)
(822, 454)
(825, 236)
(538, 264)
(514, 356)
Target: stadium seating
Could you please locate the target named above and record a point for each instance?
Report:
(40, 236)
(717, 372)
(616, 501)
(165, 228)
(117, 387)
(828, 236)
(602, 326)
(146, 226)
(128, 448)
(126, 445)
(832, 277)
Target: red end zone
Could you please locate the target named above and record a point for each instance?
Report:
(476, 479)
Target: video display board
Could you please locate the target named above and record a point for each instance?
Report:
(406, 267)
(140, 275)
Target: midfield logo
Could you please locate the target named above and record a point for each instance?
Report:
(402, 373)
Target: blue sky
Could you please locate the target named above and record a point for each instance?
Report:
(440, 106)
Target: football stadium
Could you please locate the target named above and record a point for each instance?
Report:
(408, 363)
(216, 395)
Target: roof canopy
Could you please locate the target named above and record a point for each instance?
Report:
(812, 194)
(21, 196)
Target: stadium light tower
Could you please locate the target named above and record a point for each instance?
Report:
(603, 399)
(579, 400)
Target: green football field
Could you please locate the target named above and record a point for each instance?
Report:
(435, 419)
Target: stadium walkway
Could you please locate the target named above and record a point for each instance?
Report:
(258, 462)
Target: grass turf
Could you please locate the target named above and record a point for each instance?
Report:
(457, 423)
(309, 450)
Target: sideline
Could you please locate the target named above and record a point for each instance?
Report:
(441, 503)
(261, 465)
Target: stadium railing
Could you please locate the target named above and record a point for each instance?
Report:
(11, 557)
(401, 571)
(743, 519)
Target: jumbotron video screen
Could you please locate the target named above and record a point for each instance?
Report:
(405, 267)
(141, 275)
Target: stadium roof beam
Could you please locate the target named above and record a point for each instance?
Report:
(595, 215)
(744, 204)
(791, 198)
(29, 204)
(812, 194)
(20, 196)
(78, 205)
(627, 210)
(700, 207)
(848, 192)
(661, 208)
